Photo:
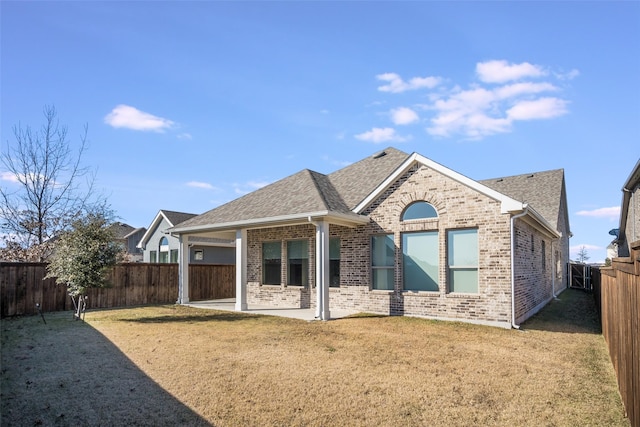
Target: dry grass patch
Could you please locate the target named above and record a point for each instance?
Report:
(230, 369)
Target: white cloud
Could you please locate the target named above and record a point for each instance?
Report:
(568, 75)
(125, 116)
(404, 116)
(380, 135)
(525, 88)
(503, 94)
(612, 213)
(185, 136)
(198, 184)
(8, 176)
(543, 108)
(501, 71)
(397, 85)
(249, 186)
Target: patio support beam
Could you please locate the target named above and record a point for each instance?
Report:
(322, 270)
(183, 270)
(241, 270)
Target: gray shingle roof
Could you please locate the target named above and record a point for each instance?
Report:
(307, 191)
(177, 217)
(120, 230)
(542, 190)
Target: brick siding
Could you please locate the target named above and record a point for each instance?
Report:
(458, 207)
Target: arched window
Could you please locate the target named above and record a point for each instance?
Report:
(164, 250)
(419, 210)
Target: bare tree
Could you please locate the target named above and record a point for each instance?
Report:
(50, 188)
(583, 256)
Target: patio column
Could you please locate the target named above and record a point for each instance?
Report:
(241, 270)
(322, 270)
(183, 270)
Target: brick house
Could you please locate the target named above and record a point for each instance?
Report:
(396, 234)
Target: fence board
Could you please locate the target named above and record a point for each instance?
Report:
(618, 292)
(22, 285)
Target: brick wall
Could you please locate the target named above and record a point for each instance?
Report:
(458, 207)
(533, 279)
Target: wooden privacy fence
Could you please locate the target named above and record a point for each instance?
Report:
(22, 285)
(617, 291)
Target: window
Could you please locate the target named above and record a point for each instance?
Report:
(298, 262)
(420, 261)
(271, 260)
(419, 210)
(153, 256)
(382, 261)
(334, 262)
(164, 250)
(173, 255)
(462, 254)
(544, 255)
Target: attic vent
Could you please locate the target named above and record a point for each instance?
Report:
(380, 154)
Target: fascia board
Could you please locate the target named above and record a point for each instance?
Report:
(154, 224)
(507, 203)
(545, 225)
(336, 217)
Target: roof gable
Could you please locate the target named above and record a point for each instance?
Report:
(544, 191)
(357, 181)
(172, 217)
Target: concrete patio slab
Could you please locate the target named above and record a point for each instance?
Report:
(228, 304)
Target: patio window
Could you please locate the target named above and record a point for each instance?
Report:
(420, 261)
(298, 263)
(382, 261)
(334, 262)
(462, 257)
(153, 256)
(419, 210)
(271, 261)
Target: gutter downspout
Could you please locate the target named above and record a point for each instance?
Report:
(513, 271)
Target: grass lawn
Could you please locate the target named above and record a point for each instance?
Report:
(174, 365)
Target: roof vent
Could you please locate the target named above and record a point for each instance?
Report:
(380, 154)
(499, 180)
(530, 176)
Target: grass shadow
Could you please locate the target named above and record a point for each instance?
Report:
(65, 372)
(574, 311)
(213, 316)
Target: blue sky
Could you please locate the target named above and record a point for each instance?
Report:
(192, 104)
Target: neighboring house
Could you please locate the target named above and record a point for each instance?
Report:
(128, 237)
(396, 234)
(160, 246)
(629, 231)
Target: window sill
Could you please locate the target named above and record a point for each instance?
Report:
(383, 291)
(421, 293)
(463, 295)
(270, 285)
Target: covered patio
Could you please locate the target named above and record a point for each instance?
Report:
(229, 304)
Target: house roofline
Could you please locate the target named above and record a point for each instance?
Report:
(346, 219)
(156, 221)
(507, 203)
(632, 181)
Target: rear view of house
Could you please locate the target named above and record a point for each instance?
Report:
(396, 234)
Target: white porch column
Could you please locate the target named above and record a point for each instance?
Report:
(322, 270)
(183, 270)
(241, 270)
